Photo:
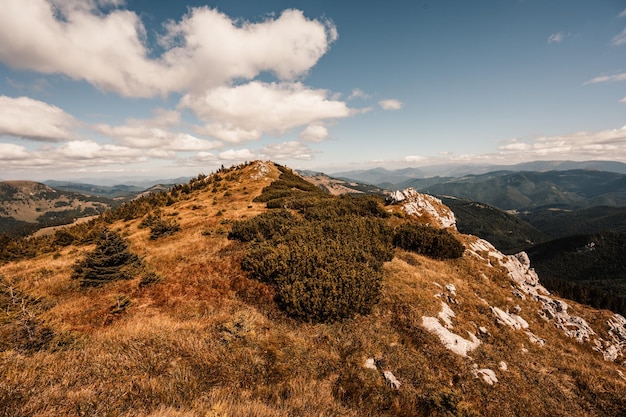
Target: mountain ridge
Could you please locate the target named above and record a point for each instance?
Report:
(194, 334)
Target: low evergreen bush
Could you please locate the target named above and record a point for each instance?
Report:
(163, 227)
(263, 227)
(425, 240)
(323, 270)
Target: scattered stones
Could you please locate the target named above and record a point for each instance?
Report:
(535, 339)
(503, 366)
(512, 320)
(391, 380)
(487, 375)
(370, 363)
(451, 289)
(261, 169)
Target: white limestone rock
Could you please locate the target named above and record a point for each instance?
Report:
(418, 204)
(391, 380)
(451, 341)
(370, 363)
(535, 339)
(487, 375)
(260, 170)
(512, 320)
(451, 289)
(446, 315)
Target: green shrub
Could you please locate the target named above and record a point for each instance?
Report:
(263, 227)
(425, 240)
(287, 186)
(323, 271)
(163, 227)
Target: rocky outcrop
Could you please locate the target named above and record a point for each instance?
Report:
(424, 205)
(526, 283)
(450, 340)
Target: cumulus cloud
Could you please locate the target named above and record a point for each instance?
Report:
(10, 151)
(155, 135)
(70, 155)
(237, 155)
(246, 112)
(216, 49)
(32, 119)
(391, 104)
(314, 133)
(204, 49)
(286, 151)
(608, 144)
(86, 150)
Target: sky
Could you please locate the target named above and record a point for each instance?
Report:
(161, 89)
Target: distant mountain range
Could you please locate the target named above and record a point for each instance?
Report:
(573, 189)
(382, 176)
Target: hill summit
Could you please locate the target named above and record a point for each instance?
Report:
(253, 292)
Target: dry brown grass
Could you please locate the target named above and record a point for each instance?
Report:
(208, 341)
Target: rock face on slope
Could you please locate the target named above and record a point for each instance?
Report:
(424, 205)
(524, 284)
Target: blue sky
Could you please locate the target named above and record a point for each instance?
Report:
(113, 88)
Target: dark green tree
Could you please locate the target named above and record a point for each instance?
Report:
(111, 260)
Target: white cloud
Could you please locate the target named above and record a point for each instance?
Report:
(391, 104)
(9, 152)
(86, 150)
(557, 37)
(620, 39)
(314, 133)
(605, 144)
(358, 93)
(237, 155)
(623, 100)
(32, 119)
(146, 137)
(414, 158)
(622, 14)
(286, 151)
(155, 135)
(245, 112)
(216, 49)
(69, 155)
(607, 78)
(203, 50)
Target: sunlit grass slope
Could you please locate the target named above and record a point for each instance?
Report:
(205, 339)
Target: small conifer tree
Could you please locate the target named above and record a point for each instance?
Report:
(110, 261)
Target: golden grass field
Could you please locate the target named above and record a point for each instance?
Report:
(209, 341)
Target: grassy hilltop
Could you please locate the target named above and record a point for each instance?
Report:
(213, 311)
